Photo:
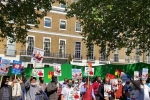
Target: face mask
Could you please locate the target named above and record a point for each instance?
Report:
(33, 84)
(70, 84)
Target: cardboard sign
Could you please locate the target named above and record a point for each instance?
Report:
(76, 74)
(57, 69)
(74, 95)
(4, 66)
(89, 71)
(38, 72)
(114, 83)
(144, 74)
(37, 55)
(136, 75)
(107, 89)
(17, 66)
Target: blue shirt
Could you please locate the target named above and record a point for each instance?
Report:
(83, 90)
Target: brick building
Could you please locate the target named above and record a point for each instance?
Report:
(60, 39)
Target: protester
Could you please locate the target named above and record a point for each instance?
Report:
(66, 90)
(137, 90)
(51, 89)
(42, 85)
(101, 90)
(64, 83)
(146, 90)
(118, 93)
(5, 89)
(87, 91)
(95, 86)
(16, 89)
(32, 89)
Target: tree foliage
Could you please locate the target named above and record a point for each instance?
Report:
(15, 15)
(114, 23)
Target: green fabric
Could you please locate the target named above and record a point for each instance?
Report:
(98, 70)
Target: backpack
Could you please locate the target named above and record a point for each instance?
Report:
(44, 95)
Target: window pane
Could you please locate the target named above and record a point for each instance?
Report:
(62, 24)
(47, 47)
(30, 45)
(78, 50)
(62, 48)
(78, 26)
(47, 22)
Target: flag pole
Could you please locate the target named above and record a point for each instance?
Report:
(1, 81)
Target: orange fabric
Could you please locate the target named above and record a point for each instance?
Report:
(118, 93)
(110, 76)
(89, 64)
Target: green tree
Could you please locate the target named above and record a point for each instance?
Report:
(15, 15)
(114, 23)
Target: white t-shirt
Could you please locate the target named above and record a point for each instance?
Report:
(16, 89)
(65, 92)
(146, 92)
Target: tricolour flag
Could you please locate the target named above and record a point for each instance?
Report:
(50, 74)
(118, 72)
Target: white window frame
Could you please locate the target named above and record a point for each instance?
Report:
(59, 45)
(80, 50)
(27, 42)
(60, 22)
(8, 49)
(76, 27)
(50, 23)
(50, 42)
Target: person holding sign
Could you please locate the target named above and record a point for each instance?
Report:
(87, 91)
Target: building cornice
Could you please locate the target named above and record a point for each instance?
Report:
(55, 33)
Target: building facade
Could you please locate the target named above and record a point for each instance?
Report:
(62, 42)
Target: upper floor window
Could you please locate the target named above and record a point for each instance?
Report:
(103, 56)
(137, 56)
(62, 24)
(77, 50)
(11, 47)
(62, 5)
(31, 21)
(91, 53)
(30, 45)
(47, 22)
(78, 27)
(62, 48)
(116, 56)
(47, 47)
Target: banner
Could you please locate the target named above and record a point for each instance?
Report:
(4, 66)
(16, 67)
(37, 55)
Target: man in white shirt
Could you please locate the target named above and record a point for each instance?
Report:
(66, 91)
(16, 89)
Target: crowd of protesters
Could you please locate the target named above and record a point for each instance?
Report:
(14, 88)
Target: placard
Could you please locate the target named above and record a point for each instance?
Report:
(57, 69)
(16, 67)
(76, 74)
(107, 90)
(4, 66)
(144, 74)
(38, 72)
(37, 56)
(136, 75)
(89, 71)
(114, 83)
(74, 95)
